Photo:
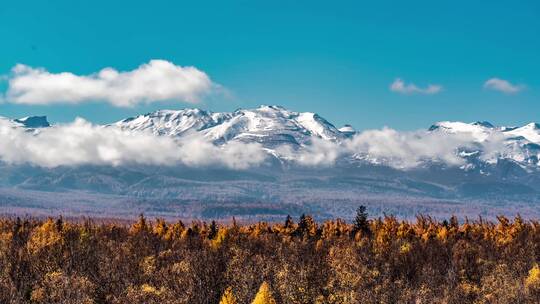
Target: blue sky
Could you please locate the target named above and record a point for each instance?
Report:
(336, 58)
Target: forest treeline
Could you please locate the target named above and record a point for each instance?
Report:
(379, 260)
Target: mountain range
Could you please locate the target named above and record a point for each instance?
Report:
(274, 126)
(309, 165)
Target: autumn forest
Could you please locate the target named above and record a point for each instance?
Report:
(371, 260)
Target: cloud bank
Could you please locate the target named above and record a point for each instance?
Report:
(319, 153)
(157, 80)
(400, 150)
(501, 85)
(399, 86)
(82, 143)
(406, 150)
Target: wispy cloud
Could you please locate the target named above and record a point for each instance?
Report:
(502, 85)
(157, 80)
(399, 86)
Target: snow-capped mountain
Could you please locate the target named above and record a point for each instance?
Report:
(322, 168)
(29, 122)
(269, 125)
(33, 122)
(172, 123)
(530, 132)
(518, 144)
(478, 144)
(481, 131)
(347, 130)
(274, 126)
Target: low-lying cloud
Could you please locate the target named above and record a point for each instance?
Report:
(399, 86)
(408, 149)
(83, 143)
(319, 152)
(400, 150)
(157, 80)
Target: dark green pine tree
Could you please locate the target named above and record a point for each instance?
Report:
(361, 223)
(213, 230)
(289, 222)
(306, 226)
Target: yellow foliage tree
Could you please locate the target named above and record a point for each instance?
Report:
(58, 287)
(533, 280)
(228, 297)
(44, 236)
(140, 225)
(264, 296)
(161, 227)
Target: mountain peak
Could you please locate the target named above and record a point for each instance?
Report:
(347, 129)
(267, 110)
(271, 107)
(267, 124)
(530, 131)
(167, 112)
(34, 121)
(170, 122)
(485, 124)
(532, 125)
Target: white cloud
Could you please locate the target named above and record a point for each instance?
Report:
(397, 149)
(319, 152)
(502, 85)
(408, 149)
(81, 142)
(156, 80)
(196, 151)
(399, 86)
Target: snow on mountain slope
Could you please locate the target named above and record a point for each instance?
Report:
(482, 130)
(318, 126)
(479, 130)
(172, 123)
(531, 132)
(269, 125)
(496, 143)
